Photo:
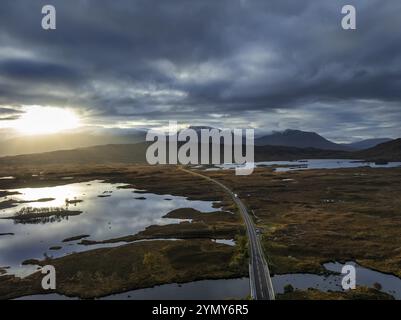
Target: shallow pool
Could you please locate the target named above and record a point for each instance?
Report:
(108, 211)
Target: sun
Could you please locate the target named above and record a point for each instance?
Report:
(45, 120)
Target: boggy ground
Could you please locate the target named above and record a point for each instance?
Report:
(101, 272)
(315, 216)
(104, 271)
(306, 218)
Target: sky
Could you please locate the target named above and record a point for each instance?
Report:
(268, 64)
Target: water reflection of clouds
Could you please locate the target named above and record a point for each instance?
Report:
(284, 166)
(101, 218)
(332, 282)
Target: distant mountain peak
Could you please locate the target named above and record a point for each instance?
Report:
(309, 139)
(299, 139)
(287, 131)
(199, 128)
(368, 143)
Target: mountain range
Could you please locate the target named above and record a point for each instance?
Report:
(135, 153)
(68, 141)
(304, 139)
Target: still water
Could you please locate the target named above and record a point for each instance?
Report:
(283, 166)
(108, 211)
(239, 288)
(364, 277)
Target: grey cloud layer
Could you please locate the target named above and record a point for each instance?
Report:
(272, 64)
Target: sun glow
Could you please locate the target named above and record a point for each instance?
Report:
(45, 120)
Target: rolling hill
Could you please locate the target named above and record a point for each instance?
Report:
(66, 141)
(388, 151)
(136, 153)
(103, 154)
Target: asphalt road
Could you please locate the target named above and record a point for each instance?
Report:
(259, 275)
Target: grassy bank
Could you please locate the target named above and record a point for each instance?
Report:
(105, 271)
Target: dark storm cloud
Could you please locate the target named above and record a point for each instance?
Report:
(28, 70)
(7, 114)
(271, 64)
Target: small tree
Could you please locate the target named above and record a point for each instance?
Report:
(377, 286)
(288, 288)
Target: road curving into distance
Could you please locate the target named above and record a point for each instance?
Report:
(259, 274)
